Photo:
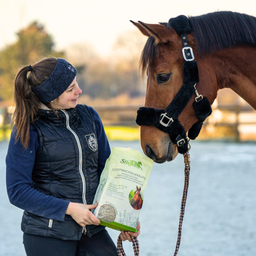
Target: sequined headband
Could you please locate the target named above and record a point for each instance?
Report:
(57, 83)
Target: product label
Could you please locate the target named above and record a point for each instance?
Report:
(120, 192)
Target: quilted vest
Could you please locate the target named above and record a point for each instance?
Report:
(66, 167)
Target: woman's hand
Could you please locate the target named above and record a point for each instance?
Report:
(127, 235)
(81, 213)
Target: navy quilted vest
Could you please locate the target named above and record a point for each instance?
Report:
(66, 167)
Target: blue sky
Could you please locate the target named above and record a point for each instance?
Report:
(99, 22)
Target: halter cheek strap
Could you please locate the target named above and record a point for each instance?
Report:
(167, 119)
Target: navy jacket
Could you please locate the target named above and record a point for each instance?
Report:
(43, 179)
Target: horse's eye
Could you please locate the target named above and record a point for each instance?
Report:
(163, 78)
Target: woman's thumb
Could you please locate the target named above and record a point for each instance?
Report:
(91, 206)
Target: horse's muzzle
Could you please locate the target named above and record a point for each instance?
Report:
(170, 153)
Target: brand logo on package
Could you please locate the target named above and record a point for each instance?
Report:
(92, 141)
(132, 163)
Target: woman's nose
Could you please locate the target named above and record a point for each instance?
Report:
(78, 90)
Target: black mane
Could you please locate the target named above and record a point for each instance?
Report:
(212, 32)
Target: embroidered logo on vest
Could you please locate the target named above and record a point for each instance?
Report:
(92, 141)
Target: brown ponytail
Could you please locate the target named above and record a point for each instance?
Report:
(26, 102)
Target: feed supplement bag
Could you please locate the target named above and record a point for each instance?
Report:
(120, 191)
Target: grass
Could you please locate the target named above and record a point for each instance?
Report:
(122, 133)
(5, 133)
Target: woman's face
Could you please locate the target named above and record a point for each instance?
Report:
(68, 99)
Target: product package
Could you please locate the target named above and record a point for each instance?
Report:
(120, 191)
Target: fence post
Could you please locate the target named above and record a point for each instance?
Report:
(237, 111)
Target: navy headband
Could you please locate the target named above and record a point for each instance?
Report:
(57, 83)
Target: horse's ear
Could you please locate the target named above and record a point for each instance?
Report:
(158, 31)
(141, 28)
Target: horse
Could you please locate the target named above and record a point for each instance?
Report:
(136, 201)
(192, 56)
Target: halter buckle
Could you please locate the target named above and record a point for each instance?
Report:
(181, 142)
(165, 120)
(188, 53)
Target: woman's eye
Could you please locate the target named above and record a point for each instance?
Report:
(70, 90)
(163, 78)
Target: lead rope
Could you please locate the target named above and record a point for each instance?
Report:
(184, 199)
(135, 244)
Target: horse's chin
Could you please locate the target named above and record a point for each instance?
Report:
(172, 152)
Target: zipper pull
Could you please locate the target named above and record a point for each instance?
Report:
(50, 223)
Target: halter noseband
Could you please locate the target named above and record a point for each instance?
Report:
(167, 119)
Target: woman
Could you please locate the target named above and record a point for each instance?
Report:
(56, 154)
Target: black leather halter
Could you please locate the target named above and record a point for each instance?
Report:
(167, 119)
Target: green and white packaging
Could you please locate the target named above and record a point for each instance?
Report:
(120, 191)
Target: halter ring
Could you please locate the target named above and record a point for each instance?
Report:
(198, 96)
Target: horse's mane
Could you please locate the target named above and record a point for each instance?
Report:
(220, 30)
(212, 32)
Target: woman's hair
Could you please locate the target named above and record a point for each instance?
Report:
(26, 102)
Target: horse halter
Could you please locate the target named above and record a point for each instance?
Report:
(167, 119)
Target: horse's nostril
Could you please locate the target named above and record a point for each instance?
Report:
(150, 153)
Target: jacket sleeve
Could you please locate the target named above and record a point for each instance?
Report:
(19, 167)
(103, 144)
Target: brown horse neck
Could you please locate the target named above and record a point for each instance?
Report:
(236, 69)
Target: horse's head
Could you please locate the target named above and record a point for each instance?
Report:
(137, 195)
(162, 60)
(136, 201)
(137, 190)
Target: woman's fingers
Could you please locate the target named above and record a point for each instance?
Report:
(82, 215)
(93, 219)
(127, 235)
(136, 234)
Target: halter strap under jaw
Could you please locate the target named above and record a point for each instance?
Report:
(167, 119)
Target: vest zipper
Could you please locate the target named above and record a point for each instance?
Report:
(80, 160)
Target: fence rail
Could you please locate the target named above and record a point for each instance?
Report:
(236, 117)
